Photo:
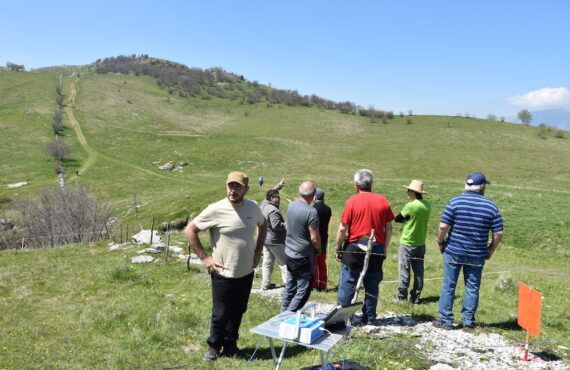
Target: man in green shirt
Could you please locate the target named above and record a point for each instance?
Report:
(415, 217)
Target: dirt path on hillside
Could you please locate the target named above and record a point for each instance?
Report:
(92, 154)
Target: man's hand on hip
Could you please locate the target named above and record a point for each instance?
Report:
(212, 265)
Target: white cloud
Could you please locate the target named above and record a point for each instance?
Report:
(558, 97)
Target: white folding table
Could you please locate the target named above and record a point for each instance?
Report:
(270, 330)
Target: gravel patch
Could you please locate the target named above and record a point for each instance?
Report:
(451, 349)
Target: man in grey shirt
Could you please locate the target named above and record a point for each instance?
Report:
(301, 244)
(274, 247)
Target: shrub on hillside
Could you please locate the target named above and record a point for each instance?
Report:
(184, 81)
(59, 216)
(58, 150)
(542, 131)
(9, 239)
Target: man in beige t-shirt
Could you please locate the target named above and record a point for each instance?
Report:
(232, 223)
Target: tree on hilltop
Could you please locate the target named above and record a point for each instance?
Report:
(525, 117)
(15, 67)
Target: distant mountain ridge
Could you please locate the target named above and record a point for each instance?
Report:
(559, 118)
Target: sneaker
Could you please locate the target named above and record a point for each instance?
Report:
(441, 325)
(268, 287)
(211, 355)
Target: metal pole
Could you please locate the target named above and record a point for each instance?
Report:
(525, 358)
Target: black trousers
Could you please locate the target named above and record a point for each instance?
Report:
(229, 303)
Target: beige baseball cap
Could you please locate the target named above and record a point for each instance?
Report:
(239, 177)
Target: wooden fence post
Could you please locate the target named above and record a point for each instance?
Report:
(151, 230)
(167, 247)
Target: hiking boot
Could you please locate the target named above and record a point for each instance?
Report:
(211, 355)
(234, 352)
(358, 320)
(269, 286)
(415, 300)
(442, 325)
(467, 327)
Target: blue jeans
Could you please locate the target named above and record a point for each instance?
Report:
(472, 271)
(347, 287)
(298, 285)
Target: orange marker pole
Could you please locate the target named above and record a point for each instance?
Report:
(530, 304)
(525, 358)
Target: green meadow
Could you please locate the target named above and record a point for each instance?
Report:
(83, 306)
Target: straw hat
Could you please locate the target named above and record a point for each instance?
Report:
(416, 186)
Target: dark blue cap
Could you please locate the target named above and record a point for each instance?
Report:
(320, 194)
(476, 178)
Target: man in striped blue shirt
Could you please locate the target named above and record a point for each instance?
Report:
(467, 221)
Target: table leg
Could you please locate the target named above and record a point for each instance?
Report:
(272, 350)
(281, 356)
(324, 359)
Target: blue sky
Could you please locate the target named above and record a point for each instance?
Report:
(433, 57)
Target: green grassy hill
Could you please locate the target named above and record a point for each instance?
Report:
(122, 127)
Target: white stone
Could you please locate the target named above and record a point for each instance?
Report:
(17, 185)
(175, 249)
(167, 166)
(142, 259)
(441, 367)
(149, 250)
(143, 237)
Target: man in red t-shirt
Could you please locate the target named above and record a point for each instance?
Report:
(362, 213)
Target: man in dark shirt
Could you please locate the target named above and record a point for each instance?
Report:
(321, 277)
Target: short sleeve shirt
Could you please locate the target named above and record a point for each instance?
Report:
(471, 217)
(366, 211)
(362, 213)
(415, 228)
(300, 216)
(232, 231)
